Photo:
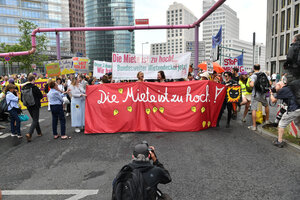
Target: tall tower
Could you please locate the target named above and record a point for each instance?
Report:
(224, 16)
(101, 44)
(76, 10)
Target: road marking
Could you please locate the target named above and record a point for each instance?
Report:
(78, 194)
(40, 120)
(4, 135)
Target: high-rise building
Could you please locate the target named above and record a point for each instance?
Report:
(178, 40)
(282, 24)
(101, 44)
(76, 10)
(45, 14)
(224, 16)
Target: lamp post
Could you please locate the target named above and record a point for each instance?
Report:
(143, 50)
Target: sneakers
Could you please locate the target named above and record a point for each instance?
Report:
(20, 136)
(268, 122)
(77, 130)
(67, 114)
(243, 120)
(13, 135)
(278, 144)
(252, 128)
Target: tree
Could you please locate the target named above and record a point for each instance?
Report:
(26, 28)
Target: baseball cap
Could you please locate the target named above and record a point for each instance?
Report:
(244, 73)
(141, 149)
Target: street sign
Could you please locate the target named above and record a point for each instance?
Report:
(7, 58)
(141, 21)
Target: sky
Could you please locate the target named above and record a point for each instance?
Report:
(251, 13)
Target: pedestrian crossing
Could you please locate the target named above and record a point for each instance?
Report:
(24, 127)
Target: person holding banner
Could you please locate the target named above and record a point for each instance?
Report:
(77, 104)
(161, 76)
(140, 76)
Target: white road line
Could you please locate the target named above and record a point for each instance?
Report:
(40, 120)
(4, 135)
(79, 194)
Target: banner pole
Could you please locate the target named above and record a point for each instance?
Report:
(196, 50)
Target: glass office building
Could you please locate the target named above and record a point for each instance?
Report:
(43, 13)
(101, 44)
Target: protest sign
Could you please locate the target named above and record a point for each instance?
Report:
(101, 68)
(65, 65)
(81, 65)
(234, 94)
(153, 107)
(126, 66)
(53, 69)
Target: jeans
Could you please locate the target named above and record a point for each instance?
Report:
(15, 118)
(35, 115)
(58, 113)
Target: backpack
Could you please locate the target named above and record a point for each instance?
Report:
(294, 86)
(293, 55)
(27, 97)
(262, 84)
(248, 87)
(3, 106)
(129, 185)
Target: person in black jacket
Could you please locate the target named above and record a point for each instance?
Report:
(35, 109)
(292, 64)
(153, 173)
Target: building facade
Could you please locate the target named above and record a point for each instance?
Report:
(190, 47)
(101, 44)
(224, 16)
(282, 24)
(45, 14)
(76, 10)
(178, 40)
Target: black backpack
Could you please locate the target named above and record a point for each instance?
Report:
(129, 185)
(4, 106)
(262, 84)
(295, 87)
(27, 97)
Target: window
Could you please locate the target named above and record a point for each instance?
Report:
(276, 5)
(281, 45)
(282, 3)
(289, 2)
(273, 25)
(276, 23)
(287, 43)
(282, 21)
(296, 16)
(288, 19)
(275, 47)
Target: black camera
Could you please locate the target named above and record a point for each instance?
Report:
(273, 90)
(149, 149)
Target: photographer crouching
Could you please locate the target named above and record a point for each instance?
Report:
(139, 179)
(293, 110)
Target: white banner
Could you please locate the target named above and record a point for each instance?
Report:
(126, 66)
(101, 68)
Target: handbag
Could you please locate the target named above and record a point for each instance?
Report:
(23, 117)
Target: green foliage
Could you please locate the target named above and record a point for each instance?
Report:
(26, 28)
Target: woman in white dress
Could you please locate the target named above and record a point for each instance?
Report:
(77, 105)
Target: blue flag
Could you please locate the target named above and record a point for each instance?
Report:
(240, 60)
(216, 40)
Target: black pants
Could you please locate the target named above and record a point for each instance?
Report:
(58, 113)
(229, 110)
(69, 105)
(34, 112)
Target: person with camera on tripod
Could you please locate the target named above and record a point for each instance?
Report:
(293, 110)
(139, 179)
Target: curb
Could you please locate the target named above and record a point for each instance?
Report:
(261, 131)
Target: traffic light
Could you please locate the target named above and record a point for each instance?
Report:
(219, 52)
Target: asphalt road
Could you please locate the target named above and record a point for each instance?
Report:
(216, 163)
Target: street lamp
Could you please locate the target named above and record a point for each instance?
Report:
(143, 50)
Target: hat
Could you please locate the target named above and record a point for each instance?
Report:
(244, 73)
(12, 81)
(34, 74)
(141, 149)
(205, 74)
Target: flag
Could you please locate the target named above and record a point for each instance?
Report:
(240, 60)
(216, 40)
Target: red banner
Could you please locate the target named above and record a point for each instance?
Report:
(153, 107)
